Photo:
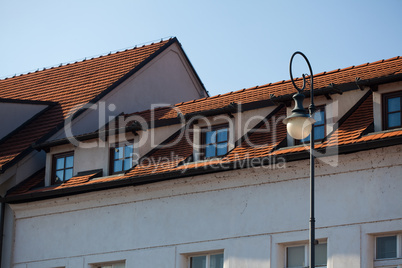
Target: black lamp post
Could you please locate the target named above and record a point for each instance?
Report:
(299, 125)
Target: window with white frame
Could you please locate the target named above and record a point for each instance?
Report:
(206, 261)
(109, 265)
(297, 256)
(388, 252)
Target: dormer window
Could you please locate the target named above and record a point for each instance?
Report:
(215, 141)
(121, 158)
(392, 110)
(63, 165)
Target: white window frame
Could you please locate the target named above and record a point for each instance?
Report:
(390, 262)
(207, 254)
(306, 253)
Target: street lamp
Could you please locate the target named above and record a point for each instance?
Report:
(299, 125)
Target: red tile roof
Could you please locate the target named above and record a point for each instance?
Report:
(70, 86)
(261, 142)
(366, 71)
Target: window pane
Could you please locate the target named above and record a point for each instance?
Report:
(319, 132)
(210, 150)
(59, 176)
(319, 117)
(128, 163)
(386, 247)
(120, 265)
(394, 104)
(394, 120)
(222, 148)
(60, 163)
(295, 256)
(68, 174)
(210, 137)
(69, 161)
(118, 152)
(222, 135)
(198, 262)
(128, 151)
(118, 166)
(216, 261)
(321, 254)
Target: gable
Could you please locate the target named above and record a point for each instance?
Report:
(70, 87)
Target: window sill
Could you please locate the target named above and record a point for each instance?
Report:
(388, 262)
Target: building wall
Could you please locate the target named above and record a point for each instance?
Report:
(251, 214)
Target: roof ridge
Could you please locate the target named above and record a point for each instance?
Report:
(357, 66)
(97, 56)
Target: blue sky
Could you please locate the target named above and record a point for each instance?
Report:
(231, 44)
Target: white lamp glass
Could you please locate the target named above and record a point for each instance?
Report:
(299, 127)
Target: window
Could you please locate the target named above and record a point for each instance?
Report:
(392, 110)
(215, 141)
(319, 126)
(297, 256)
(207, 261)
(110, 265)
(121, 158)
(388, 252)
(63, 165)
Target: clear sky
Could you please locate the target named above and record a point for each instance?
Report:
(231, 44)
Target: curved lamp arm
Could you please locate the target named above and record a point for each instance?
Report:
(299, 123)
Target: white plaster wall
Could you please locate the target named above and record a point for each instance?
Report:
(12, 115)
(249, 214)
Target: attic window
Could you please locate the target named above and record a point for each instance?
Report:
(392, 104)
(63, 166)
(121, 158)
(215, 141)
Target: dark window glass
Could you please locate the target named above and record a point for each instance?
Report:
(386, 247)
(215, 261)
(216, 141)
(198, 262)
